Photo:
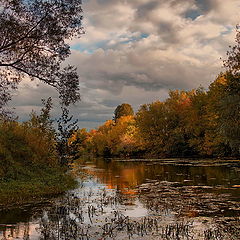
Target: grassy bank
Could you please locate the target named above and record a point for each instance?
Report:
(29, 163)
(45, 182)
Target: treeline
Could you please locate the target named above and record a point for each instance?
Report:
(199, 122)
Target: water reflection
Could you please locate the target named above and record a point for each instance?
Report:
(127, 175)
(21, 222)
(170, 199)
(24, 231)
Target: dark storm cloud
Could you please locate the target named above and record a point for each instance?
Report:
(144, 10)
(207, 5)
(168, 32)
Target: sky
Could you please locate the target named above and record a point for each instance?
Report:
(135, 51)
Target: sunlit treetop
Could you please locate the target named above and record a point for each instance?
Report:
(124, 109)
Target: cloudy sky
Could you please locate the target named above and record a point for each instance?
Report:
(134, 51)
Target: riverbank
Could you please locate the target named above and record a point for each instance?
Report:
(43, 183)
(29, 163)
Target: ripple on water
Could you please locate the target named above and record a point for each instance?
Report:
(132, 199)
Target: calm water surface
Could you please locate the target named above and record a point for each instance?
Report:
(152, 199)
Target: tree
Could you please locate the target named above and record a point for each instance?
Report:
(153, 121)
(79, 141)
(5, 95)
(229, 105)
(230, 121)
(66, 129)
(162, 125)
(33, 44)
(233, 61)
(124, 109)
(42, 126)
(110, 139)
(224, 94)
(43, 121)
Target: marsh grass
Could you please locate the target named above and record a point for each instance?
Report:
(34, 187)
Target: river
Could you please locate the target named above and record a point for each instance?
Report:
(137, 199)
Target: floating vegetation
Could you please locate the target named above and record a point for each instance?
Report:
(166, 203)
(99, 215)
(71, 219)
(164, 197)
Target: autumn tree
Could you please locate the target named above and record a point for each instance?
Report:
(153, 123)
(230, 121)
(121, 138)
(33, 45)
(230, 104)
(224, 97)
(162, 125)
(232, 63)
(110, 139)
(80, 141)
(124, 109)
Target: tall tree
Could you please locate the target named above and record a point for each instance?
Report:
(224, 96)
(124, 109)
(156, 122)
(230, 105)
(232, 63)
(162, 125)
(66, 129)
(33, 44)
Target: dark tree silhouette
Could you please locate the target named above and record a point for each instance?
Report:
(233, 61)
(33, 44)
(66, 127)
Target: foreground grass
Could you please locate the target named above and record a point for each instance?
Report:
(45, 182)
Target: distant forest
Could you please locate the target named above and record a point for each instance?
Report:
(197, 123)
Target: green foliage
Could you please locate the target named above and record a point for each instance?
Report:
(29, 160)
(124, 109)
(29, 167)
(39, 183)
(21, 146)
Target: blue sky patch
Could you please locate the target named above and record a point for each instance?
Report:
(134, 38)
(193, 14)
(228, 30)
(89, 48)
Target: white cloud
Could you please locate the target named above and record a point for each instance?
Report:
(135, 50)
